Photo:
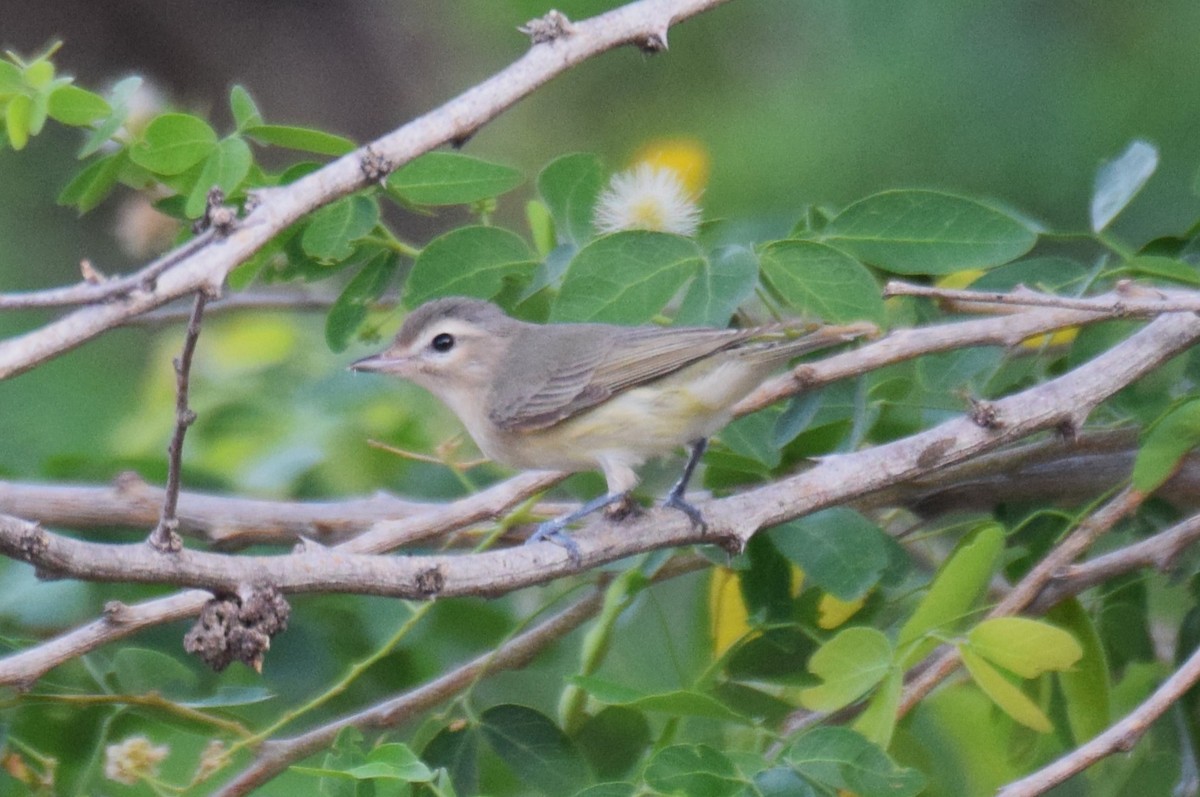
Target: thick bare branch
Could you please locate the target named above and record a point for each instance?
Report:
(1062, 403)
(276, 208)
(26, 666)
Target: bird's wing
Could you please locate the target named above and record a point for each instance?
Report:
(553, 373)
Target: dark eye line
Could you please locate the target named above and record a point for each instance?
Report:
(442, 342)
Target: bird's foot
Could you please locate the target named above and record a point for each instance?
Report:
(675, 501)
(553, 531)
(622, 509)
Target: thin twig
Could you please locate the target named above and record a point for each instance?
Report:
(164, 538)
(87, 292)
(1160, 551)
(1127, 300)
(1119, 738)
(254, 300)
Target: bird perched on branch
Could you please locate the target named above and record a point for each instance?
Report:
(579, 397)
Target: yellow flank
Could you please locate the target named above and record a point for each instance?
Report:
(687, 405)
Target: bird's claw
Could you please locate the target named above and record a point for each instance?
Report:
(675, 501)
(552, 531)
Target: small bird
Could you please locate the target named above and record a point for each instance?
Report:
(578, 397)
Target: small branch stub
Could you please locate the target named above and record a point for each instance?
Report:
(222, 219)
(985, 414)
(376, 166)
(554, 25)
(238, 628)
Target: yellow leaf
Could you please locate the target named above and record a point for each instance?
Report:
(726, 609)
(834, 611)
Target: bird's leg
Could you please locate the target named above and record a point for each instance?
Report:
(555, 530)
(675, 497)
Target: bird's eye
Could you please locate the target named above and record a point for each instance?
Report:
(443, 342)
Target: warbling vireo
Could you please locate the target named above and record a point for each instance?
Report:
(577, 397)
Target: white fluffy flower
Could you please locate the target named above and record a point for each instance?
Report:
(647, 198)
(133, 759)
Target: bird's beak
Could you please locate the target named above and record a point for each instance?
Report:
(381, 363)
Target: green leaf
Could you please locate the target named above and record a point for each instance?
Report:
(456, 749)
(10, 80)
(696, 770)
(469, 261)
(849, 665)
(839, 758)
(877, 722)
(387, 762)
(74, 106)
(541, 227)
(1120, 180)
(89, 188)
(1024, 646)
(119, 101)
(677, 702)
(331, 231)
(927, 232)
(38, 74)
(841, 551)
(351, 307)
(230, 696)
(822, 282)
(752, 436)
(140, 671)
(1049, 274)
(1163, 448)
(958, 371)
(448, 178)
(1086, 686)
(626, 277)
(539, 754)
(1009, 697)
(226, 168)
(780, 782)
(400, 762)
(173, 143)
(777, 654)
(302, 139)
(727, 280)
(17, 117)
(957, 585)
(608, 790)
(38, 113)
(245, 111)
(1165, 268)
(569, 186)
(614, 740)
